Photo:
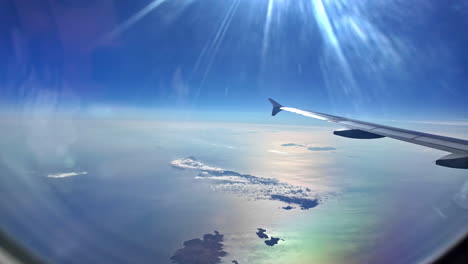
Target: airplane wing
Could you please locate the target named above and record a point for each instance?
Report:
(365, 130)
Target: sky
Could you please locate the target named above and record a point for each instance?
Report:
(393, 59)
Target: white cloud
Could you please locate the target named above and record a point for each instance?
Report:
(277, 152)
(66, 174)
(249, 185)
(311, 148)
(191, 163)
(461, 197)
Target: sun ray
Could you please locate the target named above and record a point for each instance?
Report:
(266, 31)
(210, 50)
(134, 19)
(326, 28)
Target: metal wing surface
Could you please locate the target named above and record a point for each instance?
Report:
(366, 130)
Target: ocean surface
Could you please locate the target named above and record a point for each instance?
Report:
(82, 190)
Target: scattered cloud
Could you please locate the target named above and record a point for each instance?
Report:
(308, 147)
(277, 152)
(208, 250)
(260, 188)
(66, 174)
(293, 145)
(439, 212)
(222, 146)
(461, 197)
(321, 148)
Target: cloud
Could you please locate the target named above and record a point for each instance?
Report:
(308, 147)
(277, 152)
(66, 174)
(439, 212)
(321, 148)
(192, 163)
(461, 197)
(208, 250)
(223, 146)
(260, 188)
(293, 145)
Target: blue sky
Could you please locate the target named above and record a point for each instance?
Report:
(365, 58)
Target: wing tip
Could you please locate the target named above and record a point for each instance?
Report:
(276, 107)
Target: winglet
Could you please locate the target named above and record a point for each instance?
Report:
(276, 107)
